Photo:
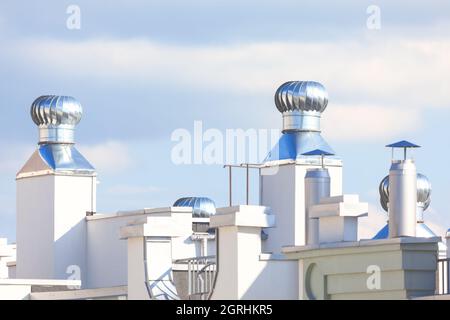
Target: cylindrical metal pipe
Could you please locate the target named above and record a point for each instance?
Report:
(247, 189)
(230, 178)
(317, 186)
(57, 134)
(402, 198)
(301, 121)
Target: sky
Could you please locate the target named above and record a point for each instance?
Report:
(143, 69)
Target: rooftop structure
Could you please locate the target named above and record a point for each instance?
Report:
(299, 242)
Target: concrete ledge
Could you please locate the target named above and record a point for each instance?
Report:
(82, 294)
(346, 198)
(362, 243)
(305, 161)
(156, 227)
(244, 208)
(274, 257)
(340, 206)
(166, 211)
(435, 297)
(40, 282)
(243, 216)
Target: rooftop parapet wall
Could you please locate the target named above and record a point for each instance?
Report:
(400, 268)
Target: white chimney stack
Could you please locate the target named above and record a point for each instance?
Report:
(282, 176)
(56, 188)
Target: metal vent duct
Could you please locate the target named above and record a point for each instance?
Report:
(301, 104)
(202, 207)
(423, 193)
(56, 117)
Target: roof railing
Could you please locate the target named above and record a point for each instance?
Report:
(247, 167)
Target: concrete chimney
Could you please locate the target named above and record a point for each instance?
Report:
(282, 178)
(56, 188)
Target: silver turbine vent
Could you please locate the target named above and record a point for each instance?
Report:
(56, 117)
(201, 207)
(301, 103)
(423, 194)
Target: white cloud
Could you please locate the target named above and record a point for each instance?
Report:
(396, 71)
(108, 157)
(14, 156)
(387, 83)
(362, 122)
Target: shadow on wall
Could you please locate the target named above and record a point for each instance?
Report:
(277, 280)
(71, 254)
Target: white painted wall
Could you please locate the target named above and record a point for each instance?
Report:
(159, 267)
(150, 252)
(74, 196)
(7, 255)
(35, 227)
(51, 225)
(244, 275)
(158, 264)
(136, 269)
(227, 275)
(183, 247)
(242, 272)
(106, 253)
(12, 273)
(341, 228)
(283, 190)
(15, 292)
(279, 193)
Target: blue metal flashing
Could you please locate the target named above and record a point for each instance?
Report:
(64, 157)
(293, 145)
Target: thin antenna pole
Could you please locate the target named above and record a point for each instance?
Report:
(260, 186)
(230, 180)
(404, 153)
(323, 163)
(248, 185)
